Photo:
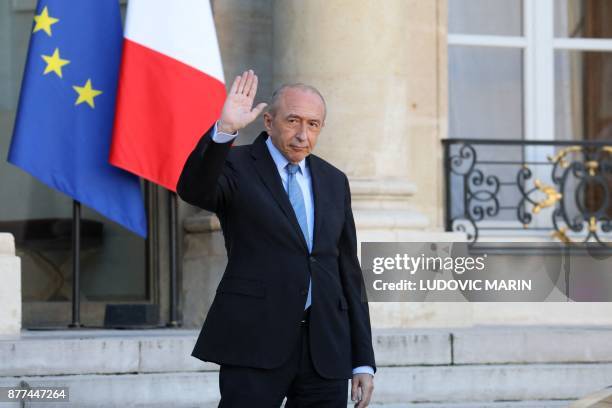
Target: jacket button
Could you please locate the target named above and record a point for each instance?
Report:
(312, 258)
(304, 292)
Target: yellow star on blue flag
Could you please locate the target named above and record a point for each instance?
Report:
(86, 93)
(44, 21)
(54, 63)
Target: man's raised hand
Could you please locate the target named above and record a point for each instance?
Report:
(238, 109)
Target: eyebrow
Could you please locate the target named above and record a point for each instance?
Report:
(294, 115)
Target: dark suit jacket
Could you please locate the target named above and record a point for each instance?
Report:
(254, 318)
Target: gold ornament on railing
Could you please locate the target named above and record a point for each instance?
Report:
(560, 156)
(561, 235)
(552, 196)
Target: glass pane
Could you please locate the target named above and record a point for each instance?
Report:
(583, 18)
(112, 259)
(485, 92)
(486, 102)
(583, 110)
(583, 95)
(486, 17)
(113, 265)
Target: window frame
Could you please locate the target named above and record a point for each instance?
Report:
(538, 44)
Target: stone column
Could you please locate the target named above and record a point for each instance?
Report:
(10, 288)
(377, 64)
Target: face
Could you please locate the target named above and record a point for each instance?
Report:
(295, 126)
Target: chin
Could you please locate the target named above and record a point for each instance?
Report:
(297, 159)
(294, 156)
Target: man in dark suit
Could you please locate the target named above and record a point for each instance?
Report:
(290, 316)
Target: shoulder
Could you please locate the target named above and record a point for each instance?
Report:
(238, 153)
(333, 180)
(327, 168)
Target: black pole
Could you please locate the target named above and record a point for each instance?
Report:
(155, 245)
(149, 249)
(151, 245)
(447, 187)
(173, 226)
(76, 264)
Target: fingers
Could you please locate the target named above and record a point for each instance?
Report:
(259, 108)
(246, 75)
(251, 88)
(243, 79)
(256, 111)
(361, 390)
(354, 388)
(367, 387)
(365, 399)
(245, 84)
(234, 87)
(251, 78)
(358, 399)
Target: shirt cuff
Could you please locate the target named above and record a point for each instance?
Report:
(363, 370)
(220, 137)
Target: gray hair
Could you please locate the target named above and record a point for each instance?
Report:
(295, 85)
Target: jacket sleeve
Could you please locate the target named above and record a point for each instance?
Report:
(208, 179)
(354, 290)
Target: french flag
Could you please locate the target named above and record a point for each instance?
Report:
(171, 87)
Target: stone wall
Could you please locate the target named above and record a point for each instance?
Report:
(10, 287)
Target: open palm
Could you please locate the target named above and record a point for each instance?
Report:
(238, 109)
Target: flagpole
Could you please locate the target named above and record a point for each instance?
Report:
(173, 225)
(149, 242)
(152, 244)
(76, 264)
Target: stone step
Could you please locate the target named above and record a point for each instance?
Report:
(498, 404)
(415, 366)
(394, 385)
(161, 350)
(509, 382)
(519, 404)
(528, 404)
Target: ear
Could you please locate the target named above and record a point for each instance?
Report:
(267, 117)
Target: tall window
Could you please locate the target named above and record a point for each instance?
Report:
(530, 69)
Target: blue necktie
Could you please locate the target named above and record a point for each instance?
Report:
(297, 202)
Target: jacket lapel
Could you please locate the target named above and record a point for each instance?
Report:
(317, 180)
(267, 171)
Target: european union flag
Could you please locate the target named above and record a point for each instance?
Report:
(66, 108)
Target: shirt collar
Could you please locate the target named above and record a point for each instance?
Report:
(280, 160)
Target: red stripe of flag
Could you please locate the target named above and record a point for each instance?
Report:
(163, 108)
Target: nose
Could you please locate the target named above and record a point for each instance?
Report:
(301, 134)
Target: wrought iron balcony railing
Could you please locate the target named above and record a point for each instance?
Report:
(561, 188)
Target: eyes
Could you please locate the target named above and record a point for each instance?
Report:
(313, 124)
